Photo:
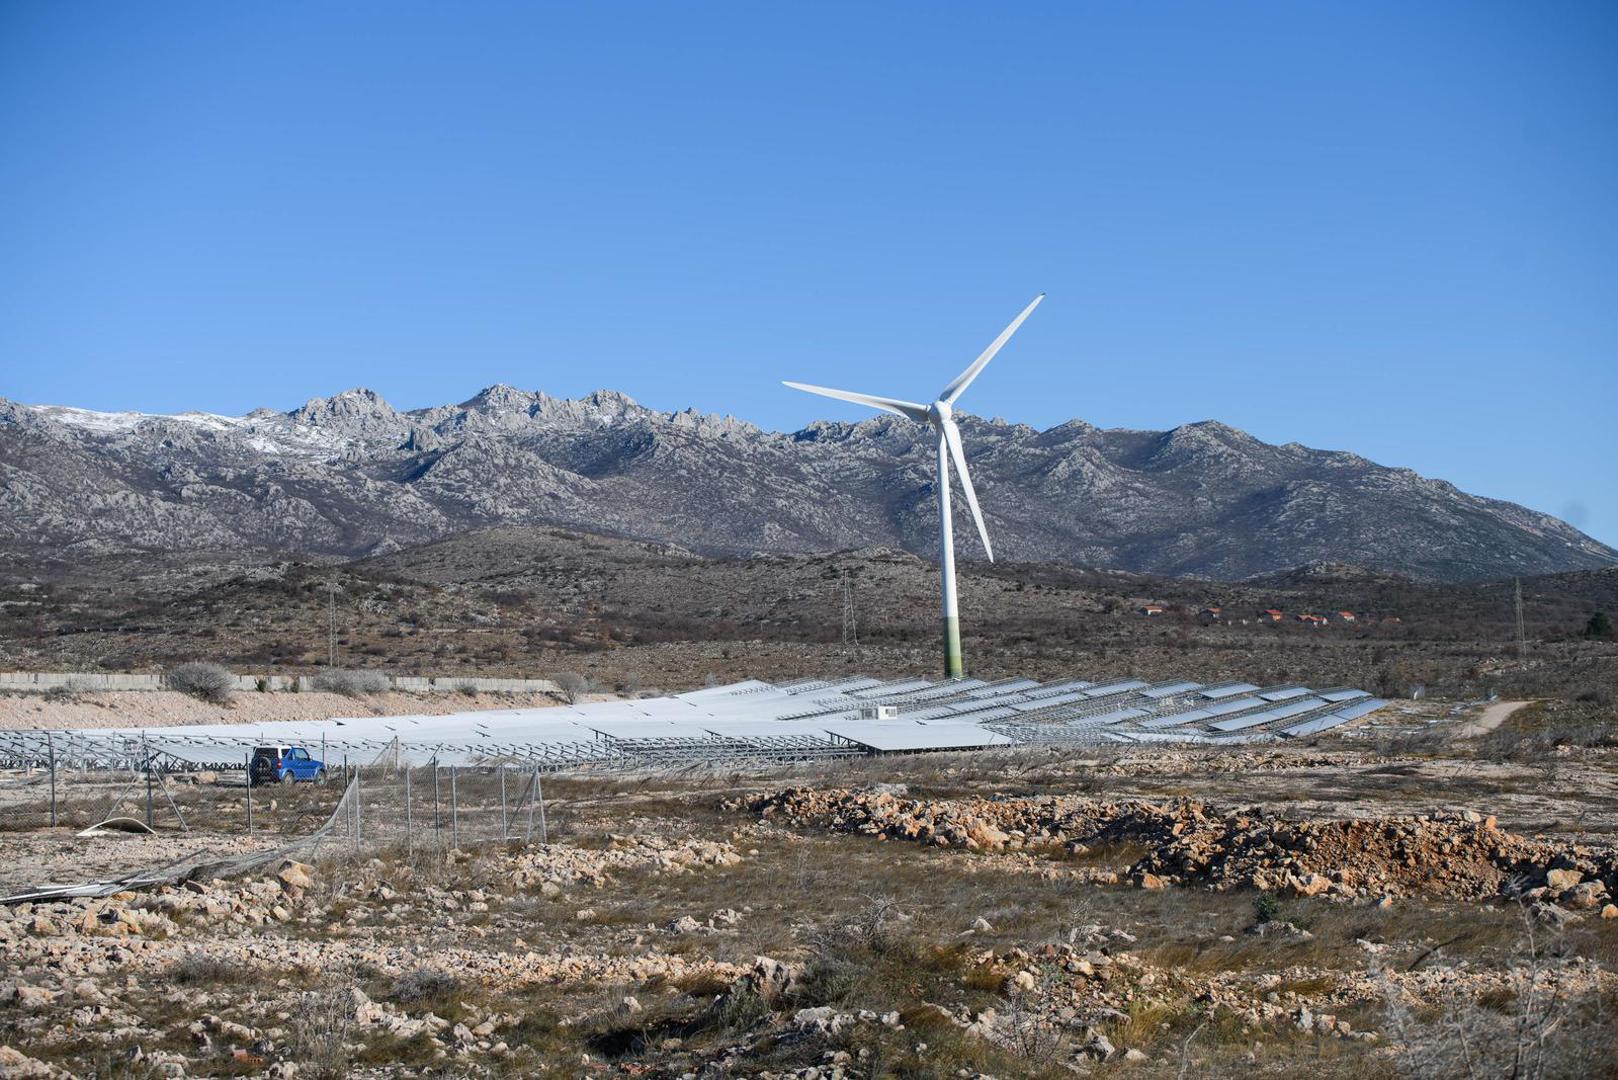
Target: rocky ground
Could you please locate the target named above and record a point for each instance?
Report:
(1262, 912)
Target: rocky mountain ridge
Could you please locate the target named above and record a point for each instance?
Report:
(350, 475)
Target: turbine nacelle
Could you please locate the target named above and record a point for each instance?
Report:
(940, 414)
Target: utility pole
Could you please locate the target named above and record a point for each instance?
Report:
(1522, 640)
(331, 631)
(851, 634)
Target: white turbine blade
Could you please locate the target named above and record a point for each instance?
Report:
(908, 409)
(964, 379)
(952, 435)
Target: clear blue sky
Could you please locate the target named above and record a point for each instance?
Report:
(1385, 227)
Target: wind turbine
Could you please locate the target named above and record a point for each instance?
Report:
(940, 414)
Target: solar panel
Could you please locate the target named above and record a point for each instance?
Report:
(1116, 688)
(754, 718)
(1282, 693)
(1049, 702)
(1066, 685)
(1004, 686)
(1280, 712)
(890, 689)
(947, 689)
(1226, 690)
(1176, 719)
(1225, 708)
(1111, 717)
(1169, 690)
(1360, 708)
(892, 737)
(928, 713)
(999, 712)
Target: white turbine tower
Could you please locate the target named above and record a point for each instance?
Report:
(940, 414)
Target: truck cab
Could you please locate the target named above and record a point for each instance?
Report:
(284, 765)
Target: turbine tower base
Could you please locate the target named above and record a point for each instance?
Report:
(952, 648)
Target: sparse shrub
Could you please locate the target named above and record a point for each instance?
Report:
(201, 679)
(742, 1009)
(1266, 908)
(827, 980)
(467, 687)
(425, 985)
(572, 685)
(199, 969)
(352, 683)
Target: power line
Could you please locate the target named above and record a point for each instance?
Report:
(851, 633)
(331, 628)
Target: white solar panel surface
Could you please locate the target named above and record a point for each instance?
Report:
(803, 717)
(1227, 690)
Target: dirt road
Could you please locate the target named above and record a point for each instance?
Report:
(1492, 717)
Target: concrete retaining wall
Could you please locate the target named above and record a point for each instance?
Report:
(92, 682)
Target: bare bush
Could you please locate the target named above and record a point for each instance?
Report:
(352, 683)
(202, 679)
(1538, 1031)
(319, 1041)
(572, 685)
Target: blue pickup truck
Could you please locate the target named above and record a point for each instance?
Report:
(284, 765)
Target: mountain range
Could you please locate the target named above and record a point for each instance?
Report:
(350, 475)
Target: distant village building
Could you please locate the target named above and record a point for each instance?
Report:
(1150, 610)
(1270, 615)
(1312, 620)
(1345, 616)
(1211, 614)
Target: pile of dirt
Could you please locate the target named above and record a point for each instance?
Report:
(1458, 854)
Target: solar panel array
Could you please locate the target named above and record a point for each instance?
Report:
(750, 721)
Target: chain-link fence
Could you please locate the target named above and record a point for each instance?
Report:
(444, 806)
(441, 807)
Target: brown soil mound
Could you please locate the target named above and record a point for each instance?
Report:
(1459, 854)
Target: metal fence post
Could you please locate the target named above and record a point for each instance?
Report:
(539, 793)
(50, 749)
(410, 832)
(454, 812)
(533, 796)
(505, 827)
(147, 754)
(438, 818)
(247, 771)
(358, 817)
